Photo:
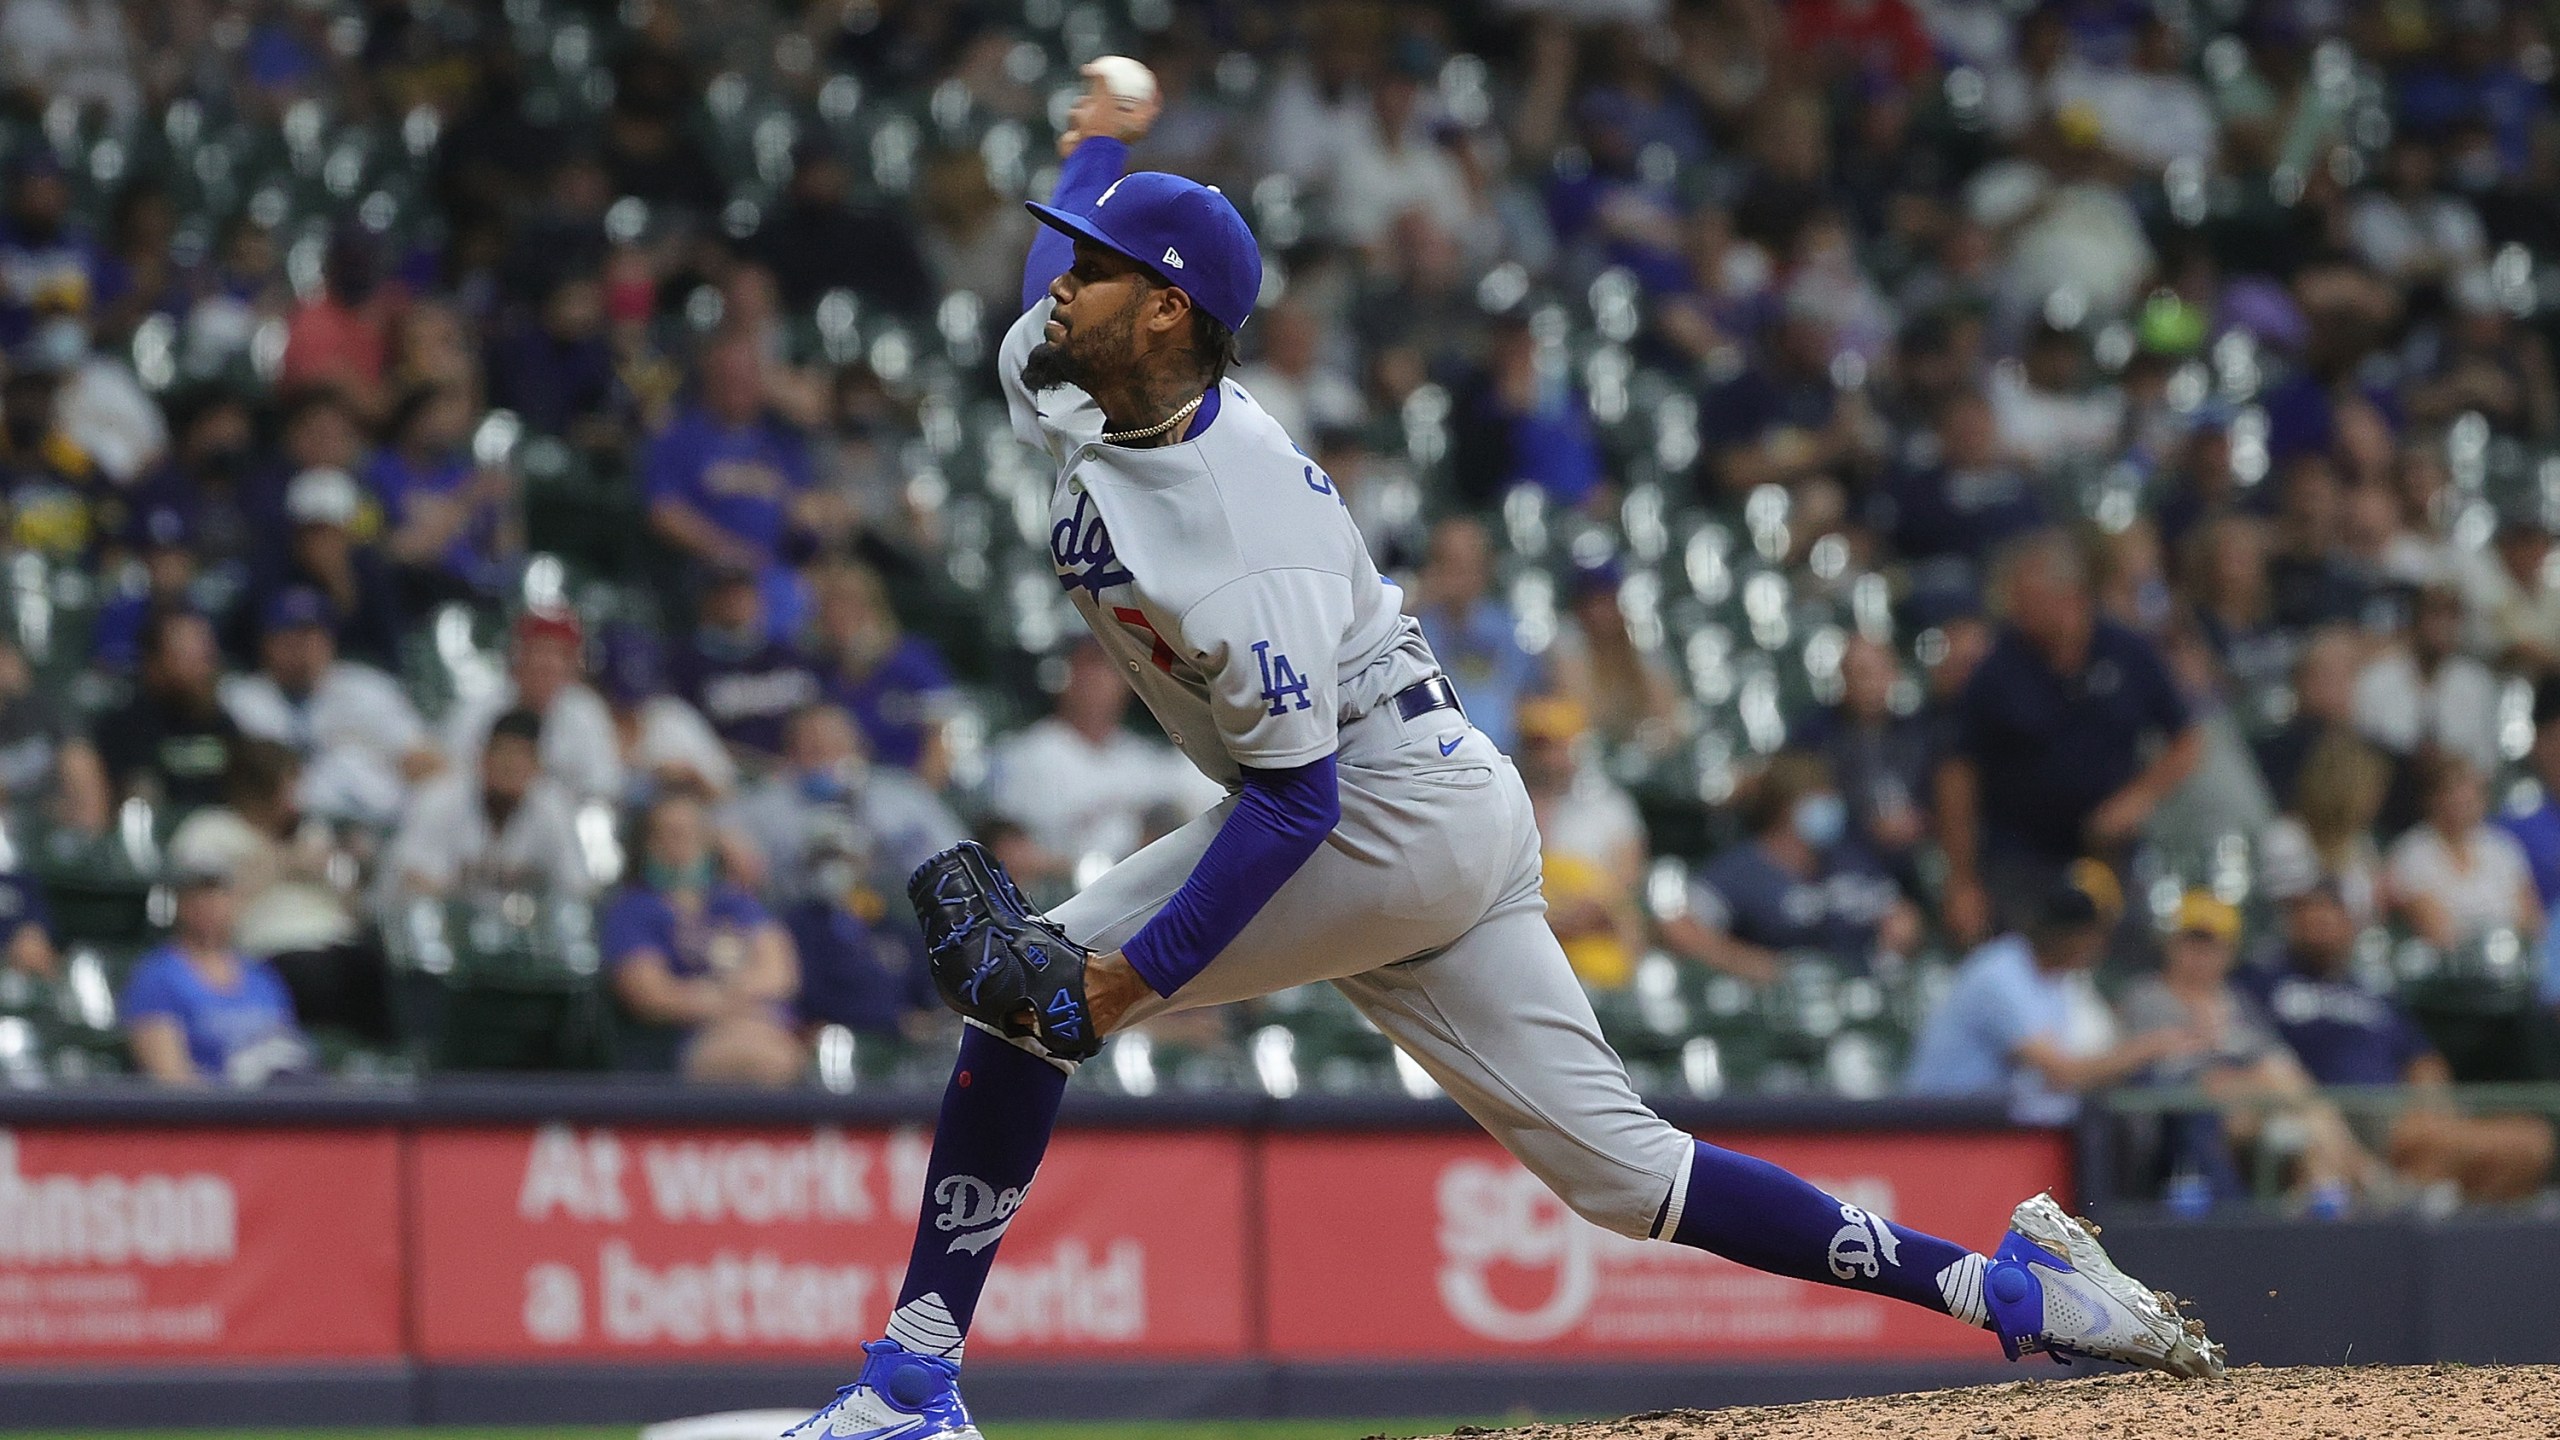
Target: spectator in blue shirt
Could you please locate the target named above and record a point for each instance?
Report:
(726, 480)
(556, 372)
(689, 951)
(1963, 504)
(2347, 1034)
(2069, 735)
(1518, 424)
(731, 669)
(2024, 1021)
(198, 1011)
(1801, 883)
(1471, 631)
(451, 531)
(1784, 419)
(894, 684)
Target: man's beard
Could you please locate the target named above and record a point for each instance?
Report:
(1052, 364)
(1049, 366)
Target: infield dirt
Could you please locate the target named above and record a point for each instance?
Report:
(2432, 1402)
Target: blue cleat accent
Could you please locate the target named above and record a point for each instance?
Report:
(899, 1396)
(2051, 1288)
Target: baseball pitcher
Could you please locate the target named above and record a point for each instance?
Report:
(1370, 837)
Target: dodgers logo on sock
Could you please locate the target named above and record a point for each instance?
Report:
(1857, 1246)
(978, 1211)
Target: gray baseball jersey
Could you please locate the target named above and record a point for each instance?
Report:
(1223, 574)
(1227, 579)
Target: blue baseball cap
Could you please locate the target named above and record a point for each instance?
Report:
(298, 607)
(1183, 230)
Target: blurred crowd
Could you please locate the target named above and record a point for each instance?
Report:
(2027, 524)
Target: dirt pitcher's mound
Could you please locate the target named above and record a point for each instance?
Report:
(2436, 1402)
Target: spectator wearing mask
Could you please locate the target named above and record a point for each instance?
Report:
(2454, 877)
(197, 1011)
(745, 682)
(690, 951)
(1472, 632)
(172, 741)
(1800, 884)
(1080, 784)
(290, 878)
(725, 480)
(544, 676)
(894, 684)
(2023, 1020)
(452, 532)
(2347, 1034)
(362, 744)
(2239, 1061)
(2069, 735)
(495, 826)
(840, 836)
(1879, 759)
(2426, 693)
(662, 742)
(825, 785)
(1593, 843)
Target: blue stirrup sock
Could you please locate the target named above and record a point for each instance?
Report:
(997, 1115)
(1753, 1213)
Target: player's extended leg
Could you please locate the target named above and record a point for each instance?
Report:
(1514, 1041)
(1500, 1022)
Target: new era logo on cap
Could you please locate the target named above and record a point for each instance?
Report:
(1177, 227)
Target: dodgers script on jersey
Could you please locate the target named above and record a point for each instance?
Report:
(1223, 574)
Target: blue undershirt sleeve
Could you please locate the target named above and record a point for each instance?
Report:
(1281, 818)
(1082, 176)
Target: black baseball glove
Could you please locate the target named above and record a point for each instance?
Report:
(997, 961)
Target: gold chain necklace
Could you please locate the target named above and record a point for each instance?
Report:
(1123, 437)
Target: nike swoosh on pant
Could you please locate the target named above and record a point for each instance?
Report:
(1446, 746)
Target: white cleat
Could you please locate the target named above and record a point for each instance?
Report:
(900, 1396)
(2051, 1288)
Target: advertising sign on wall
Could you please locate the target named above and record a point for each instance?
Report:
(158, 1245)
(568, 1243)
(1443, 1247)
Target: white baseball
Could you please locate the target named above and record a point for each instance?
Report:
(1125, 78)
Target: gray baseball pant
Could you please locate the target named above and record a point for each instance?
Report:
(1424, 909)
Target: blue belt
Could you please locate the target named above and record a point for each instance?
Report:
(1425, 696)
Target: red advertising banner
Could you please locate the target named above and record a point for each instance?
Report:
(1428, 1247)
(161, 1245)
(628, 1242)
